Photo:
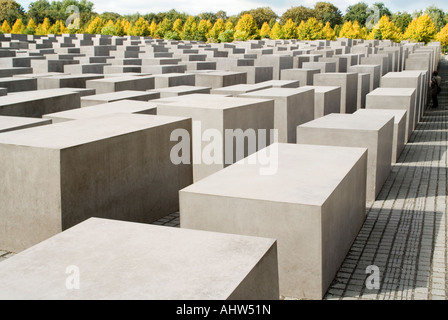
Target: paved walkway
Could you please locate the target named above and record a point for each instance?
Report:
(405, 232)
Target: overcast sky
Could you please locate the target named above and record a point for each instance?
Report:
(235, 6)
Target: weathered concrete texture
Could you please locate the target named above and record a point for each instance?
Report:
(207, 265)
(121, 106)
(122, 83)
(119, 95)
(399, 128)
(373, 133)
(292, 107)
(310, 198)
(395, 98)
(15, 84)
(349, 87)
(115, 167)
(34, 104)
(17, 123)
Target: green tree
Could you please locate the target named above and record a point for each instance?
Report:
(216, 30)
(163, 27)
(386, 30)
(261, 15)
(18, 27)
(401, 20)
(31, 27)
(11, 11)
(189, 29)
(357, 12)
(297, 14)
(326, 12)
(38, 10)
(226, 36)
(437, 16)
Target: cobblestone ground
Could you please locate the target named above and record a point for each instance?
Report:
(404, 236)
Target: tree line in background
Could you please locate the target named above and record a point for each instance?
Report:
(324, 21)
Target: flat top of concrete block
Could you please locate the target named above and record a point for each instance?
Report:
(110, 75)
(403, 74)
(322, 89)
(25, 96)
(276, 92)
(398, 114)
(363, 66)
(173, 74)
(121, 106)
(122, 78)
(77, 76)
(182, 88)
(118, 95)
(124, 260)
(346, 122)
(39, 75)
(289, 173)
(335, 74)
(220, 73)
(216, 102)
(392, 92)
(14, 79)
(242, 88)
(306, 70)
(8, 122)
(77, 132)
(281, 83)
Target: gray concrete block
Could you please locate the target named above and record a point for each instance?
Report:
(349, 88)
(122, 83)
(173, 79)
(218, 79)
(327, 100)
(349, 130)
(17, 123)
(207, 265)
(119, 95)
(115, 167)
(304, 76)
(313, 203)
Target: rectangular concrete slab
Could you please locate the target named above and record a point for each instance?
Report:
(115, 166)
(121, 83)
(349, 87)
(373, 133)
(17, 123)
(119, 95)
(399, 127)
(310, 198)
(292, 108)
(121, 106)
(326, 100)
(208, 265)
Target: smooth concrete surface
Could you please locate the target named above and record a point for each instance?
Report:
(218, 79)
(310, 198)
(121, 106)
(122, 83)
(304, 76)
(395, 98)
(349, 87)
(181, 91)
(399, 128)
(119, 260)
(348, 130)
(216, 116)
(115, 167)
(17, 123)
(326, 100)
(373, 70)
(119, 95)
(292, 108)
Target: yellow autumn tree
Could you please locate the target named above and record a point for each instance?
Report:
(18, 27)
(442, 36)
(421, 29)
(328, 33)
(95, 26)
(352, 31)
(216, 30)
(276, 31)
(246, 28)
(385, 29)
(289, 30)
(6, 28)
(265, 31)
(310, 30)
(44, 27)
